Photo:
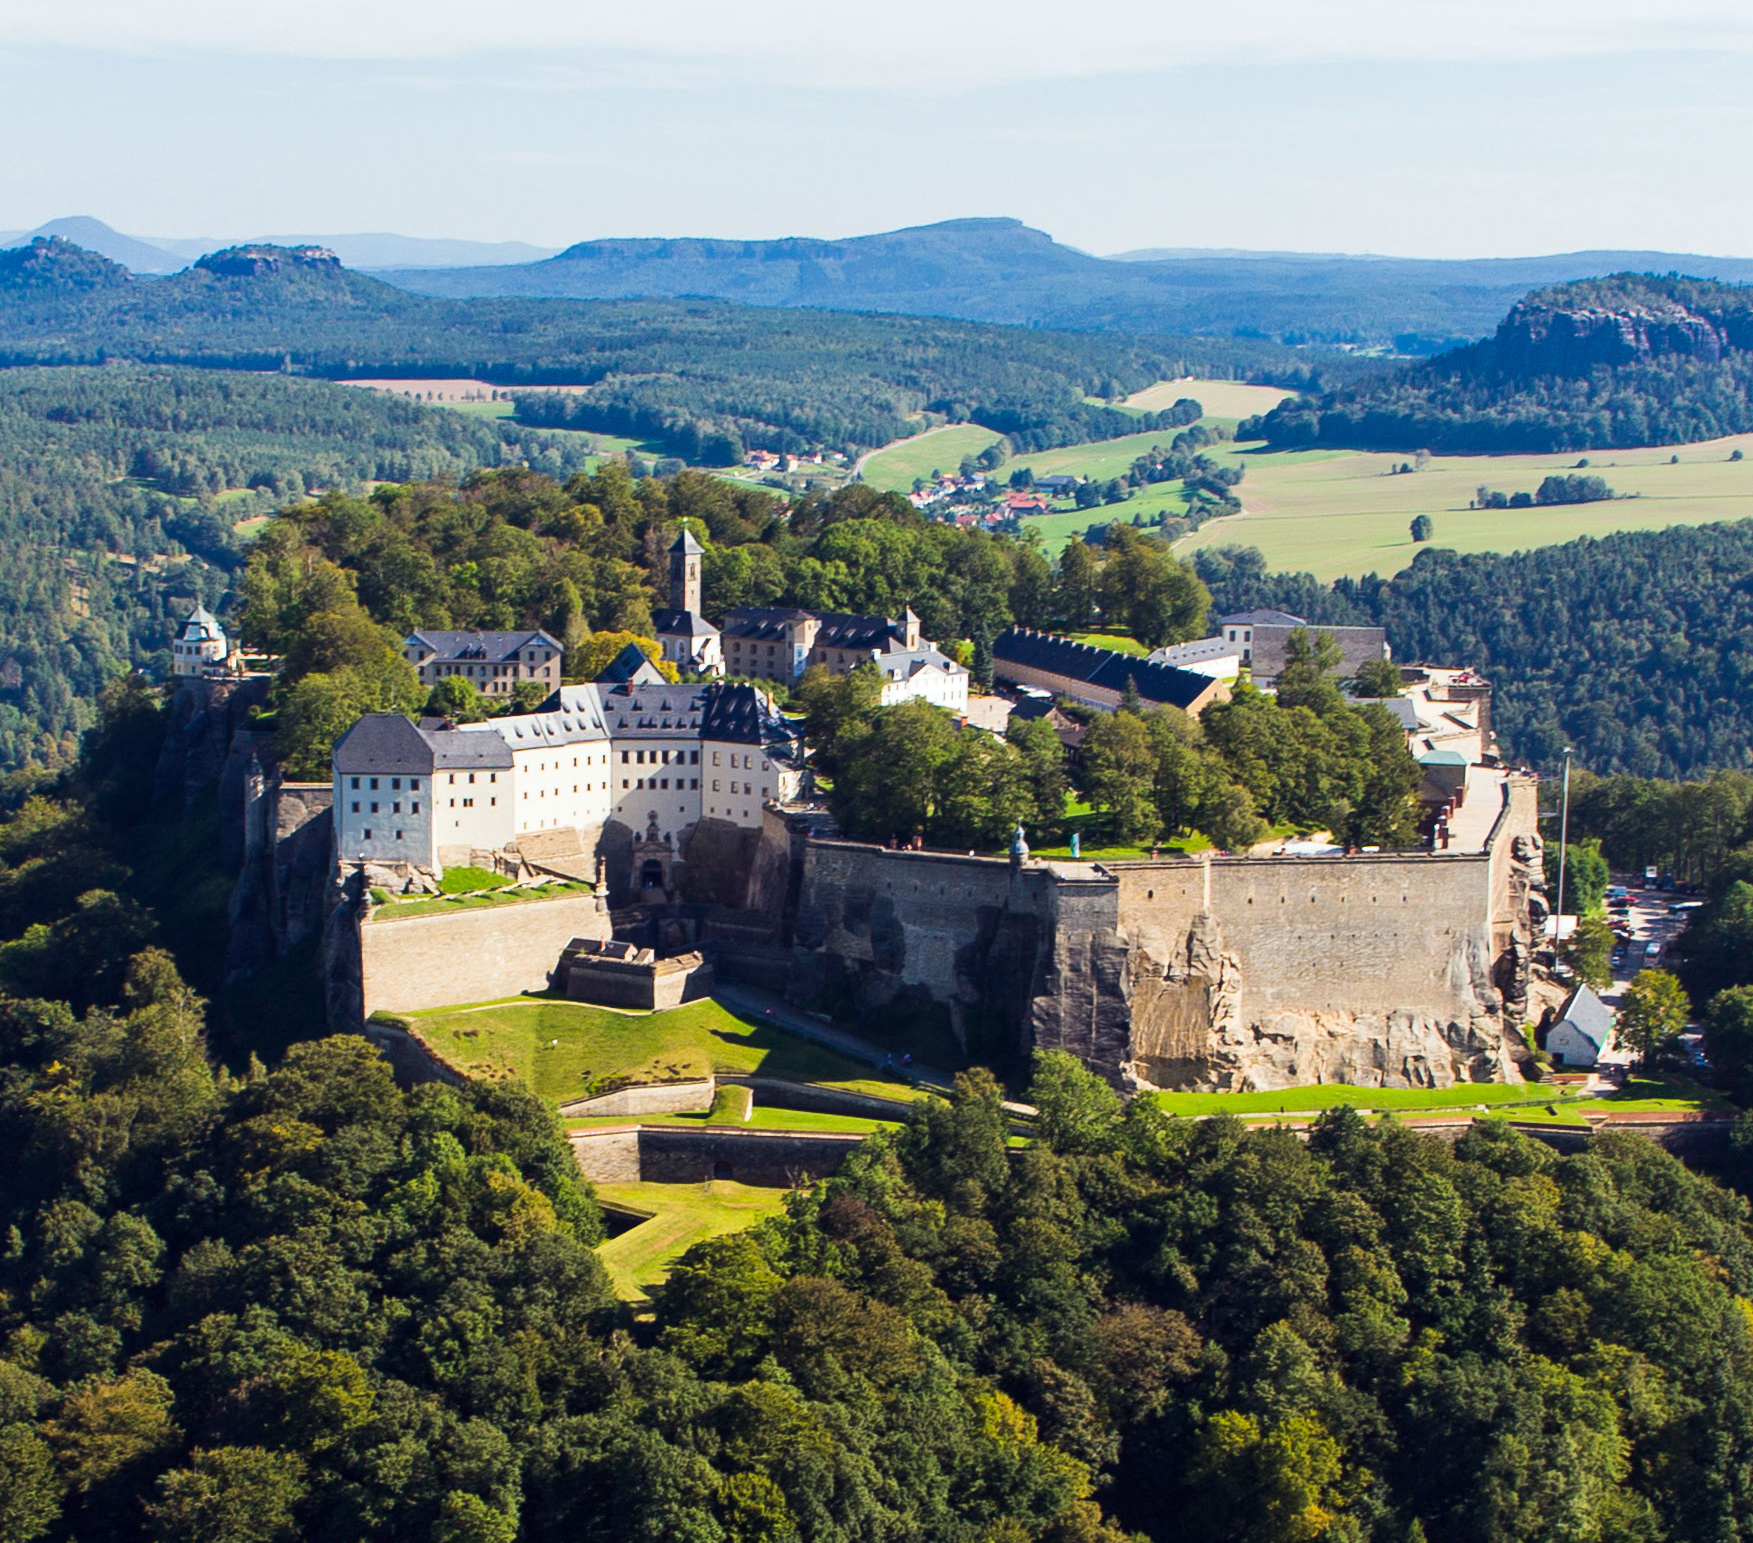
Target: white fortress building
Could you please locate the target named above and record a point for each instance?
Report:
(200, 647)
(629, 750)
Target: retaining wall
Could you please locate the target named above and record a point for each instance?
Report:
(654, 1098)
(470, 955)
(664, 1154)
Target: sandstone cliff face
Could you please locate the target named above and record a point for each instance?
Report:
(1542, 340)
(1191, 1027)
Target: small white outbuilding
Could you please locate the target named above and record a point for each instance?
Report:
(1583, 1030)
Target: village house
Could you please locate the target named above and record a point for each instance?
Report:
(1584, 1029)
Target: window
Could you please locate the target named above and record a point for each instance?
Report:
(374, 784)
(416, 809)
(368, 833)
(413, 784)
(468, 803)
(715, 784)
(493, 803)
(694, 785)
(715, 762)
(398, 835)
(356, 806)
(374, 808)
(664, 782)
(624, 755)
(693, 757)
(623, 784)
(491, 777)
(471, 776)
(396, 807)
(355, 784)
(453, 778)
(395, 784)
(453, 803)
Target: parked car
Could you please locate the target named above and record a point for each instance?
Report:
(1652, 950)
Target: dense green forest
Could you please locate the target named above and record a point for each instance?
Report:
(1598, 364)
(702, 376)
(1634, 649)
(291, 1301)
(119, 491)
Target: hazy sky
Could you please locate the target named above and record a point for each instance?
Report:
(1424, 127)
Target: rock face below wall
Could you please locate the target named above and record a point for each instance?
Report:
(1191, 1028)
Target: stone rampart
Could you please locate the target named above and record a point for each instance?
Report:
(668, 1154)
(469, 955)
(1380, 969)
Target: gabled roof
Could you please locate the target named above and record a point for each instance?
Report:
(479, 645)
(762, 623)
(1261, 619)
(383, 742)
(631, 667)
(738, 714)
(1589, 1016)
(905, 663)
(1099, 667)
(682, 624)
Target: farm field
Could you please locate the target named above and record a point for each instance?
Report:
(1334, 513)
(563, 1049)
(679, 1216)
(894, 468)
(1220, 398)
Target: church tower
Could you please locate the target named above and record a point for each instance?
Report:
(685, 558)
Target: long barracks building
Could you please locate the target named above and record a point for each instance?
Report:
(630, 748)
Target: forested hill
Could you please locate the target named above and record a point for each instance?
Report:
(1609, 363)
(1001, 270)
(119, 491)
(1636, 649)
(701, 376)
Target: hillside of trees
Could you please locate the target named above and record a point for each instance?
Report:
(266, 1300)
(1600, 364)
(1635, 649)
(119, 491)
(703, 377)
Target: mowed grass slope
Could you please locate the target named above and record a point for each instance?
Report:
(1516, 1100)
(680, 1215)
(1334, 513)
(567, 1050)
(894, 468)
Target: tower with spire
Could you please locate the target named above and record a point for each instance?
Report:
(689, 641)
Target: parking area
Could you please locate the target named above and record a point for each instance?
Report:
(1652, 918)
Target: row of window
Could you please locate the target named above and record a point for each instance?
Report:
(395, 808)
(396, 784)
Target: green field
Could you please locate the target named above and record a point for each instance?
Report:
(1332, 513)
(564, 1050)
(680, 1215)
(1220, 398)
(1530, 1100)
(894, 468)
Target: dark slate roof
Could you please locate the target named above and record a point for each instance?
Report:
(740, 715)
(1091, 666)
(687, 544)
(1588, 1015)
(762, 623)
(383, 742)
(1401, 707)
(476, 746)
(1261, 619)
(200, 626)
(480, 645)
(839, 631)
(630, 665)
(682, 624)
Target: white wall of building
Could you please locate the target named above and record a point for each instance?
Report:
(384, 818)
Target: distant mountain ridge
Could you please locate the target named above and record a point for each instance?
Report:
(380, 249)
(1631, 359)
(1001, 270)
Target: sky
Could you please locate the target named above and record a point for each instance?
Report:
(1435, 128)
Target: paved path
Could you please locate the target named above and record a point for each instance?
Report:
(759, 1005)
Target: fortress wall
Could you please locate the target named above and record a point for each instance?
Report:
(471, 955)
(906, 915)
(1367, 934)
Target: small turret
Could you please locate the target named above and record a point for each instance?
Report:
(1019, 848)
(200, 647)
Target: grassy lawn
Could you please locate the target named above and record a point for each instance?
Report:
(762, 1119)
(1332, 513)
(893, 469)
(434, 905)
(564, 1050)
(1527, 1100)
(1111, 640)
(681, 1215)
